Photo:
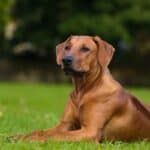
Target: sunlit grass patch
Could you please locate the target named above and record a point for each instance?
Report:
(28, 107)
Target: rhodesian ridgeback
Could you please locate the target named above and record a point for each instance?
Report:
(99, 108)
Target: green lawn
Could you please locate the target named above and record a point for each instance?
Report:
(28, 107)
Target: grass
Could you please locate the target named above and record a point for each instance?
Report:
(28, 107)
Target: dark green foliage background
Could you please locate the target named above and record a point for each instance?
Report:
(44, 23)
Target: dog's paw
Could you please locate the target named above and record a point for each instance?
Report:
(35, 136)
(14, 138)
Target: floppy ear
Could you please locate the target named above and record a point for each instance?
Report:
(105, 51)
(59, 52)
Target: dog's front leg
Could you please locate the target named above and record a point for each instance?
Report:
(64, 125)
(40, 135)
(83, 134)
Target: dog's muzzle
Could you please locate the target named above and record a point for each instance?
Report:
(67, 61)
(67, 64)
(68, 67)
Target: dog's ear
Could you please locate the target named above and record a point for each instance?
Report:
(105, 51)
(60, 50)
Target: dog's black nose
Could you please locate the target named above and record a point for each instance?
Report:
(67, 60)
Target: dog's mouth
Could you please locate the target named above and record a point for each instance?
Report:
(73, 72)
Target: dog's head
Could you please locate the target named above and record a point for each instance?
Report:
(79, 54)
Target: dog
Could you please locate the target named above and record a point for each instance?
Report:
(99, 108)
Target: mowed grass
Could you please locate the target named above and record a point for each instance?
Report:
(28, 107)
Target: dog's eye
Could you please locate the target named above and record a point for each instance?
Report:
(67, 48)
(85, 49)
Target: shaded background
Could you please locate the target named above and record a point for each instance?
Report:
(30, 30)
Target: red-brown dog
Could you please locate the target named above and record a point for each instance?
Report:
(98, 108)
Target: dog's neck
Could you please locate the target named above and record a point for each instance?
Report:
(97, 78)
(85, 82)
